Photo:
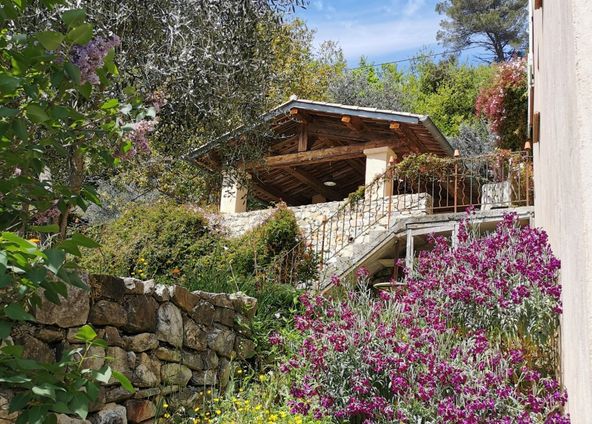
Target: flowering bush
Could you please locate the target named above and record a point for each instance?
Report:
(455, 347)
(503, 103)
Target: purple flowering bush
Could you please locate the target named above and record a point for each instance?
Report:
(467, 342)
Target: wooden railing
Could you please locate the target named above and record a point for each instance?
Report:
(420, 184)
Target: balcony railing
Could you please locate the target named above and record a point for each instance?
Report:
(422, 184)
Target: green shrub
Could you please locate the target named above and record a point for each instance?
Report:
(174, 245)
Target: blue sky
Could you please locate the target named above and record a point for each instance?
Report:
(381, 30)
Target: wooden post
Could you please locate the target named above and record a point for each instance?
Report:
(456, 156)
(323, 242)
(527, 148)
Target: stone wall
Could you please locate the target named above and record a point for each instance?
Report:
(168, 341)
(309, 217)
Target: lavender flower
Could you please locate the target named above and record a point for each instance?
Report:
(91, 57)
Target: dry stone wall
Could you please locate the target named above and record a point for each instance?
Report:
(167, 340)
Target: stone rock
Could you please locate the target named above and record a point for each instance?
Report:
(161, 293)
(105, 312)
(194, 337)
(210, 360)
(113, 338)
(224, 372)
(133, 285)
(169, 389)
(175, 374)
(169, 327)
(203, 312)
(64, 419)
(118, 361)
(132, 359)
(49, 335)
(147, 373)
(110, 414)
(192, 360)
(141, 342)
(95, 358)
(221, 300)
(204, 378)
(168, 355)
(117, 394)
(183, 298)
(242, 325)
(5, 416)
(139, 410)
(224, 316)
(222, 341)
(186, 397)
(245, 348)
(147, 393)
(107, 286)
(244, 304)
(141, 313)
(35, 349)
(69, 313)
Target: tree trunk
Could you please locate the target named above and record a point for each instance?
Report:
(76, 178)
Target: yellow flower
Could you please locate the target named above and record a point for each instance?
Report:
(218, 412)
(34, 240)
(196, 408)
(165, 405)
(239, 371)
(258, 407)
(262, 377)
(209, 392)
(216, 400)
(167, 415)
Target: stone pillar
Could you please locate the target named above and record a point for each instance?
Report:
(233, 197)
(377, 162)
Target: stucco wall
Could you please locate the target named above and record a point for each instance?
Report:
(562, 61)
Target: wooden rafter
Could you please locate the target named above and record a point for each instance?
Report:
(303, 137)
(275, 194)
(353, 123)
(410, 135)
(331, 154)
(313, 183)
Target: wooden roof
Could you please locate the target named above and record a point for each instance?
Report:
(319, 142)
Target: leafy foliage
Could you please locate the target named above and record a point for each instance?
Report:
(177, 245)
(49, 114)
(446, 91)
(469, 340)
(503, 102)
(499, 26)
(369, 87)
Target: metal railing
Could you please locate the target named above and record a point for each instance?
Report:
(421, 184)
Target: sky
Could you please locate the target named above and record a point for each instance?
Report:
(381, 30)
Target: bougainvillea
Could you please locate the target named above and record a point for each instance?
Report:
(504, 104)
(453, 347)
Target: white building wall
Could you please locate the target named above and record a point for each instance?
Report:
(562, 65)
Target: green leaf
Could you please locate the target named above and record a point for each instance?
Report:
(20, 129)
(71, 247)
(51, 40)
(104, 374)
(74, 17)
(6, 112)
(86, 334)
(51, 228)
(16, 312)
(81, 34)
(79, 405)
(73, 72)
(124, 381)
(55, 259)
(85, 241)
(36, 113)
(5, 328)
(110, 104)
(86, 90)
(45, 390)
(8, 84)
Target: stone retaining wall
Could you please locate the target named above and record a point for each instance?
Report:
(166, 340)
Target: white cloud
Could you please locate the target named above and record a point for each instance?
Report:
(413, 6)
(379, 38)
